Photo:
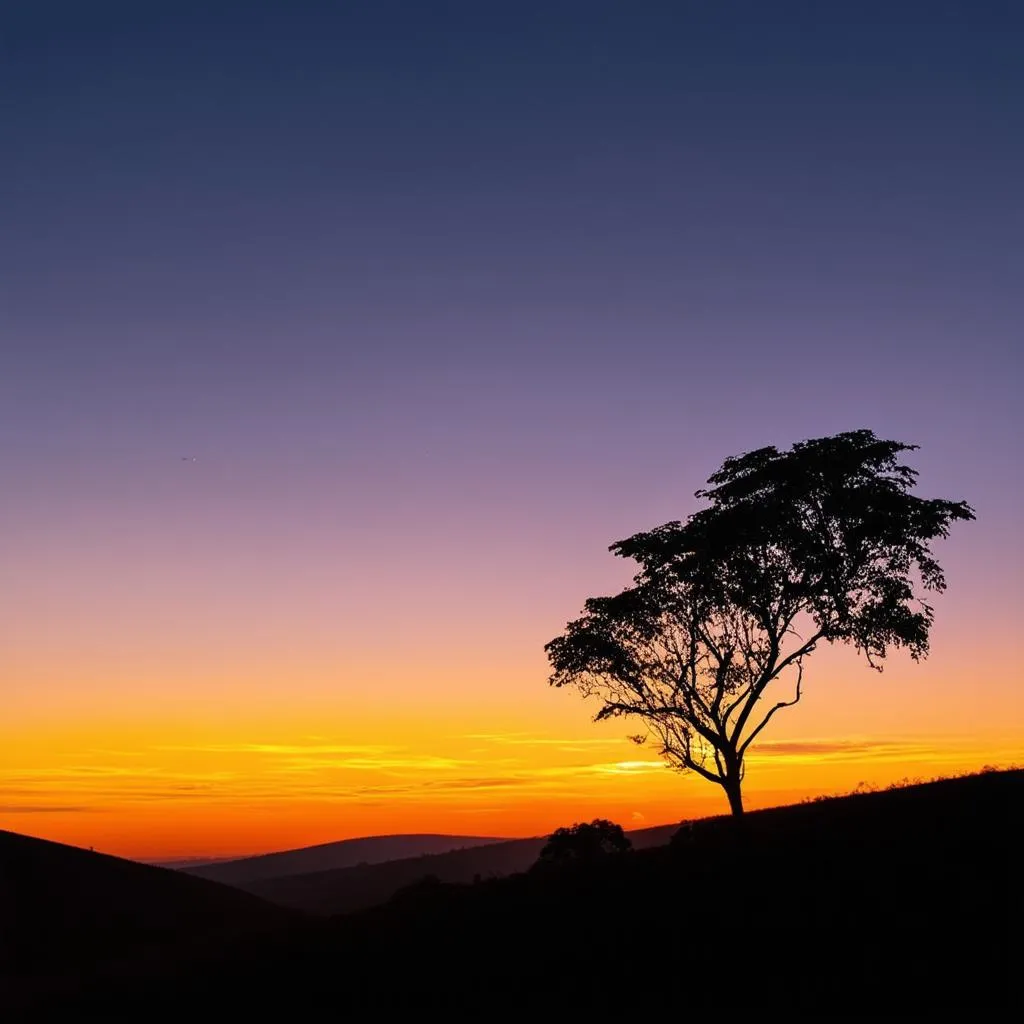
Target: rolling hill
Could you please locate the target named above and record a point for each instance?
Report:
(345, 853)
(904, 903)
(64, 910)
(343, 890)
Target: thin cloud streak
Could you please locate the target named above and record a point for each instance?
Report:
(527, 740)
(44, 809)
(283, 749)
(842, 749)
(285, 776)
(285, 782)
(375, 764)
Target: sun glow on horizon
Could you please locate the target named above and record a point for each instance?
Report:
(158, 791)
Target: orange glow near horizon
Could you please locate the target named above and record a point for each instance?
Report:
(168, 787)
(196, 684)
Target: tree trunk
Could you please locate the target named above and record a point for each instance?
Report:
(731, 785)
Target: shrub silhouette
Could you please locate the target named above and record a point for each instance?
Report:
(585, 841)
(683, 838)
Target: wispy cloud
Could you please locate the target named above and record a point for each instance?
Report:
(45, 809)
(527, 740)
(103, 784)
(440, 786)
(310, 757)
(630, 767)
(284, 749)
(77, 771)
(284, 776)
(337, 773)
(846, 749)
(413, 762)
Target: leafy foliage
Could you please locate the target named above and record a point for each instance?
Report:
(819, 543)
(585, 841)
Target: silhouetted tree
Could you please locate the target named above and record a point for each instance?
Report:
(821, 542)
(585, 841)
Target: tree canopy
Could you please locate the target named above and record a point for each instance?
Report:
(823, 542)
(585, 841)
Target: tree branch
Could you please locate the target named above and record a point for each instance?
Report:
(692, 765)
(776, 707)
(762, 683)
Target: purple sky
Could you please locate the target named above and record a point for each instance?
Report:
(443, 298)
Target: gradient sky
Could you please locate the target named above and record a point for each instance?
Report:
(338, 341)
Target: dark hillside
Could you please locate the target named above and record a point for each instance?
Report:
(900, 903)
(64, 910)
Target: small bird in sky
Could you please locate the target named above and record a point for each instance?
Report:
(188, 458)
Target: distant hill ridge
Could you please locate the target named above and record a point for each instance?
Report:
(345, 853)
(342, 890)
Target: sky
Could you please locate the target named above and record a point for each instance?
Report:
(339, 341)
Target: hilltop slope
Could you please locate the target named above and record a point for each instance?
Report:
(64, 910)
(327, 856)
(902, 903)
(356, 888)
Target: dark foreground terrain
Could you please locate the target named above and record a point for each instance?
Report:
(70, 917)
(902, 903)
